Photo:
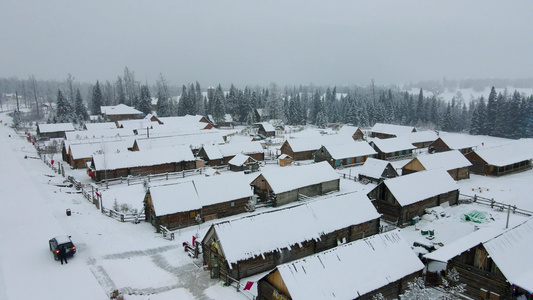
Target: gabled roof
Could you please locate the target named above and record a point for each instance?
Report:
(457, 141)
(99, 134)
(79, 151)
(184, 123)
(153, 157)
(227, 118)
(351, 270)
(421, 136)
(409, 189)
(58, 127)
(192, 139)
(240, 159)
(267, 126)
(397, 130)
(201, 191)
(314, 143)
(98, 126)
(374, 168)
(240, 240)
(511, 251)
(507, 154)
(350, 149)
(231, 149)
(137, 124)
(447, 160)
(347, 129)
(294, 177)
(393, 144)
(120, 109)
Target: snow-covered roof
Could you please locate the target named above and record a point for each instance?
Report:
(507, 154)
(347, 129)
(98, 126)
(254, 235)
(451, 250)
(137, 124)
(58, 127)
(392, 129)
(421, 136)
(98, 134)
(294, 177)
(120, 109)
(152, 157)
(448, 160)
(231, 149)
(283, 156)
(393, 144)
(458, 141)
(351, 270)
(267, 126)
(87, 150)
(373, 168)
(193, 139)
(351, 149)
(511, 251)
(239, 159)
(201, 191)
(184, 123)
(227, 118)
(314, 143)
(409, 189)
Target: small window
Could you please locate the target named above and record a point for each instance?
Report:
(192, 214)
(232, 204)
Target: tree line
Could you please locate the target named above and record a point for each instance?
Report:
(503, 114)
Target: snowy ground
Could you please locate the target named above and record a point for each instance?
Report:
(133, 257)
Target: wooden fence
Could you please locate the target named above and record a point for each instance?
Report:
(493, 204)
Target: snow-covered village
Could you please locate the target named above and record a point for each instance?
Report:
(266, 150)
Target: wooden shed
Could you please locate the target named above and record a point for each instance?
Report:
(503, 159)
(53, 131)
(376, 170)
(284, 160)
(250, 245)
(452, 161)
(402, 198)
(389, 264)
(492, 264)
(347, 154)
(386, 131)
(193, 202)
(285, 185)
(219, 155)
(241, 162)
(393, 148)
(305, 148)
(266, 129)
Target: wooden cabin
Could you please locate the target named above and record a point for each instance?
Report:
(376, 170)
(492, 264)
(80, 154)
(266, 129)
(283, 186)
(504, 159)
(463, 143)
(393, 148)
(53, 131)
(386, 131)
(257, 243)
(402, 198)
(227, 122)
(241, 162)
(139, 163)
(421, 139)
(389, 264)
(100, 126)
(305, 148)
(219, 155)
(120, 112)
(200, 200)
(452, 161)
(284, 160)
(355, 132)
(348, 154)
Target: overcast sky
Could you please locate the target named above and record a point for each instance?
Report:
(258, 42)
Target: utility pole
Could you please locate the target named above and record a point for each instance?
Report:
(508, 215)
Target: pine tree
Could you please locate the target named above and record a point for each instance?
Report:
(79, 109)
(514, 120)
(63, 109)
(452, 285)
(219, 112)
(98, 100)
(164, 107)
(145, 102)
(420, 112)
(492, 111)
(416, 290)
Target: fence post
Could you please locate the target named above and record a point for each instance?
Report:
(475, 197)
(492, 203)
(121, 217)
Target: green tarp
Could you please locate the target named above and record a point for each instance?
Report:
(475, 216)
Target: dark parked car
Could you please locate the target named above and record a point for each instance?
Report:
(59, 242)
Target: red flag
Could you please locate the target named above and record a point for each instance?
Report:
(193, 240)
(248, 285)
(97, 194)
